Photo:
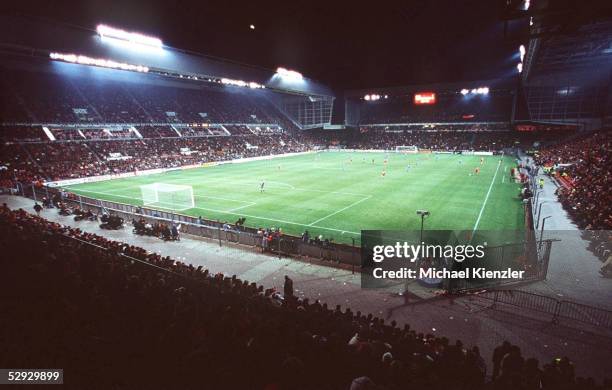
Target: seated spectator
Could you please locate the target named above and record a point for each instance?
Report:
(170, 324)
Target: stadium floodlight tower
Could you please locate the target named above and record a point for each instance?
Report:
(423, 214)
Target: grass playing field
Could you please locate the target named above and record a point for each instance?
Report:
(337, 194)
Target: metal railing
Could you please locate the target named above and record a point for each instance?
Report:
(530, 256)
(557, 310)
(286, 245)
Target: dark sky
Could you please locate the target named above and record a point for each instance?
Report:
(344, 44)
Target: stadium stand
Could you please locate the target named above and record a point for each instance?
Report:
(448, 138)
(205, 324)
(25, 162)
(22, 134)
(78, 99)
(582, 167)
(156, 131)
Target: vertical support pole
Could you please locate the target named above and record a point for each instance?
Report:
(555, 319)
(353, 256)
(495, 299)
(542, 231)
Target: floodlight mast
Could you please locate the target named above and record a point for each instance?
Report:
(423, 214)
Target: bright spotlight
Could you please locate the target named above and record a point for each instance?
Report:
(484, 90)
(522, 51)
(252, 27)
(289, 74)
(131, 37)
(105, 63)
(241, 83)
(519, 67)
(367, 97)
(464, 91)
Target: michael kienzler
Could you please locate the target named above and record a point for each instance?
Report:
(434, 273)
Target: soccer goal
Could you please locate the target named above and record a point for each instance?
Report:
(407, 149)
(168, 196)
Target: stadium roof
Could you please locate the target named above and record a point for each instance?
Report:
(31, 37)
(341, 44)
(344, 45)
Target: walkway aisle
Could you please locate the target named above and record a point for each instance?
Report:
(573, 272)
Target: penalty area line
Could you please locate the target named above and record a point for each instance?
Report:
(341, 210)
(242, 207)
(238, 214)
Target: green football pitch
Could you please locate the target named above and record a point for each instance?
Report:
(337, 194)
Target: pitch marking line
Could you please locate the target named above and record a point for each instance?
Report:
(234, 182)
(341, 210)
(239, 214)
(242, 207)
(228, 199)
(110, 192)
(486, 197)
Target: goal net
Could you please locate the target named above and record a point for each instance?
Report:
(407, 149)
(168, 196)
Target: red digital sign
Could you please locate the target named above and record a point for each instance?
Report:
(425, 98)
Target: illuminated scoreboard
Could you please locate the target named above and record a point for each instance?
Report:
(425, 98)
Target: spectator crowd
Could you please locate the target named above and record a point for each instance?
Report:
(43, 161)
(116, 315)
(583, 167)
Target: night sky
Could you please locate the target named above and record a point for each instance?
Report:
(343, 45)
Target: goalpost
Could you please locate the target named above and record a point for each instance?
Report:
(407, 149)
(168, 196)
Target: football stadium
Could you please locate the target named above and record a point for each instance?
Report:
(224, 196)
